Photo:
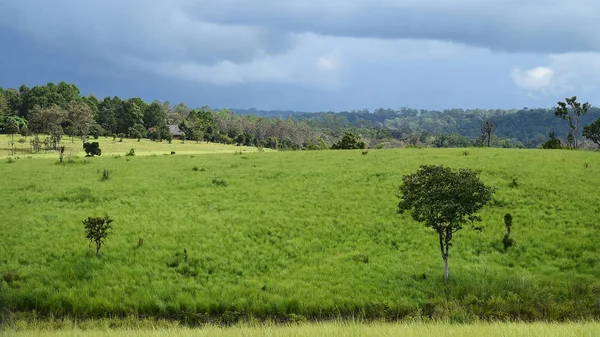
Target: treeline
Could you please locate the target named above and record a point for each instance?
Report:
(452, 127)
(58, 109)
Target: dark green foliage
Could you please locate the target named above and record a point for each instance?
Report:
(444, 200)
(349, 141)
(507, 241)
(452, 140)
(364, 153)
(105, 175)
(131, 153)
(553, 143)
(195, 169)
(92, 149)
(97, 230)
(592, 132)
(219, 182)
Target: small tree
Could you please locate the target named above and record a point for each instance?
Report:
(572, 111)
(349, 141)
(92, 149)
(592, 132)
(444, 200)
(552, 143)
(96, 230)
(487, 129)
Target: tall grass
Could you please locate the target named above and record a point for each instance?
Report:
(330, 329)
(298, 235)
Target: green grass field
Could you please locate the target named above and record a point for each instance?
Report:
(110, 147)
(297, 235)
(335, 329)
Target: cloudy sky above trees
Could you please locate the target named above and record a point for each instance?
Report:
(309, 55)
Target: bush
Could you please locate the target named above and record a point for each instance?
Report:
(131, 153)
(348, 142)
(92, 149)
(553, 143)
(219, 182)
(105, 175)
(96, 230)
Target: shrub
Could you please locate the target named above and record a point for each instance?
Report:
(507, 241)
(195, 169)
(349, 141)
(96, 230)
(219, 182)
(364, 153)
(92, 149)
(465, 153)
(131, 153)
(105, 175)
(552, 143)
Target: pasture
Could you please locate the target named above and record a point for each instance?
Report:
(118, 147)
(296, 236)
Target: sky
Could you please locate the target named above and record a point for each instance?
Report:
(309, 55)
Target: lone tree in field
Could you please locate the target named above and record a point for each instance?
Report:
(444, 200)
(592, 132)
(96, 230)
(487, 129)
(572, 111)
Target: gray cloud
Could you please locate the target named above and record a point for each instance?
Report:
(463, 52)
(547, 26)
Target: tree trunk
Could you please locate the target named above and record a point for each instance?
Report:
(97, 248)
(489, 140)
(445, 268)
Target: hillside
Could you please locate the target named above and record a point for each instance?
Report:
(297, 235)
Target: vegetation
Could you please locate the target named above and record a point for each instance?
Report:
(57, 109)
(293, 237)
(444, 200)
(572, 111)
(97, 230)
(133, 329)
(92, 149)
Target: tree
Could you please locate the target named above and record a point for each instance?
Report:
(81, 118)
(592, 132)
(155, 115)
(137, 131)
(48, 120)
(487, 128)
(572, 111)
(552, 143)
(97, 229)
(92, 149)
(444, 200)
(349, 141)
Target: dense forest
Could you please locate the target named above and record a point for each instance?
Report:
(58, 109)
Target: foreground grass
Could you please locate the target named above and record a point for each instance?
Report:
(296, 235)
(336, 329)
(117, 147)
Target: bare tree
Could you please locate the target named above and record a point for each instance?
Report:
(487, 129)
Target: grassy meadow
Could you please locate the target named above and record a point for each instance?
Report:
(331, 330)
(297, 236)
(117, 147)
